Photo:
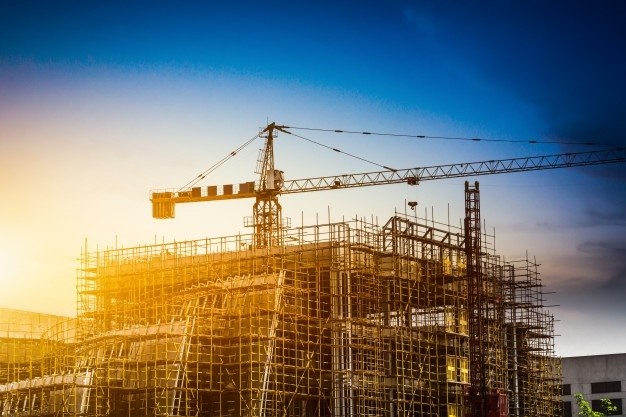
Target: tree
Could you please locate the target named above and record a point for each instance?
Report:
(584, 408)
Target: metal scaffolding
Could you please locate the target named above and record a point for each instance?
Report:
(345, 319)
(534, 372)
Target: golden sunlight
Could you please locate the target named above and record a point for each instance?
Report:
(6, 270)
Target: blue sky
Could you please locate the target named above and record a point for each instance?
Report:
(102, 101)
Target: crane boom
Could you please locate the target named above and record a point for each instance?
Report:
(415, 175)
(163, 200)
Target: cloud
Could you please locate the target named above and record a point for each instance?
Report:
(612, 216)
(608, 217)
(606, 248)
(615, 287)
(612, 254)
(600, 283)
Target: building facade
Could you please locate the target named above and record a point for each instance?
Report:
(596, 377)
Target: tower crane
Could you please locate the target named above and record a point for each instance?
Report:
(268, 223)
(267, 211)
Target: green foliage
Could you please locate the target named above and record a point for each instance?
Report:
(584, 408)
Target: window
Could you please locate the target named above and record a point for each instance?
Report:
(567, 409)
(567, 389)
(596, 405)
(609, 386)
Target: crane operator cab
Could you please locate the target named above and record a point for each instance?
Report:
(274, 179)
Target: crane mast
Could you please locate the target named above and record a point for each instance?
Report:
(266, 211)
(476, 305)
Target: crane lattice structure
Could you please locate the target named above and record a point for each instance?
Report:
(267, 221)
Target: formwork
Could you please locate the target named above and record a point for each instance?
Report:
(350, 318)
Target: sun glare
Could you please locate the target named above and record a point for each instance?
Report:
(5, 266)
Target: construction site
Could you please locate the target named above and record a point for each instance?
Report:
(406, 318)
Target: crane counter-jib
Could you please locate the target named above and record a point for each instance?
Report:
(163, 201)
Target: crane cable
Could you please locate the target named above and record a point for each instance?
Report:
(532, 141)
(336, 150)
(218, 164)
(222, 161)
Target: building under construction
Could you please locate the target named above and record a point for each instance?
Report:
(352, 318)
(345, 319)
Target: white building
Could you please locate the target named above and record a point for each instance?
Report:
(596, 377)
